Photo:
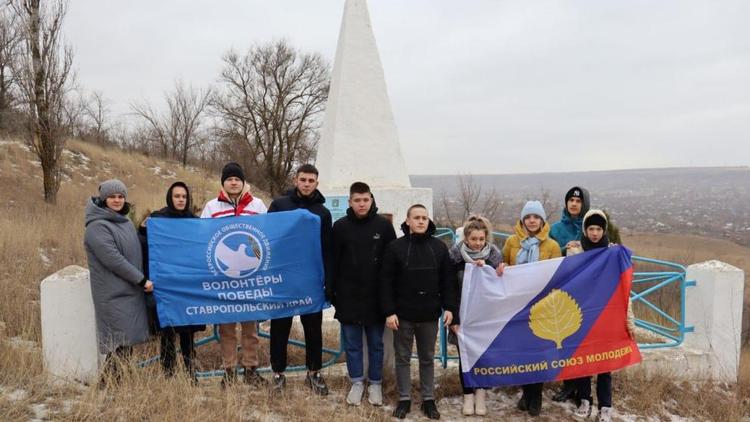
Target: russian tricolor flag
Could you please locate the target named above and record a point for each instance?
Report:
(551, 320)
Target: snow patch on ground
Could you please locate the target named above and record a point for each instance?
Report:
(43, 256)
(163, 173)
(20, 343)
(15, 395)
(77, 155)
(67, 405)
(41, 411)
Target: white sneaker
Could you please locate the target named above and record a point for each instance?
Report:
(375, 394)
(583, 411)
(468, 409)
(355, 394)
(479, 404)
(605, 414)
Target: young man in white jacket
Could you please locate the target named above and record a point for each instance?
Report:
(234, 200)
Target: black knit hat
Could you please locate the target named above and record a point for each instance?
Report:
(232, 170)
(594, 219)
(574, 192)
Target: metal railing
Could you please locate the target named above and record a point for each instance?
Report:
(668, 330)
(335, 354)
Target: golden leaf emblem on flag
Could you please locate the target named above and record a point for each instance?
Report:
(555, 317)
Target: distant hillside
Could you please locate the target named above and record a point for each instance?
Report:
(709, 201)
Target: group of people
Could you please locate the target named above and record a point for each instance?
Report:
(373, 278)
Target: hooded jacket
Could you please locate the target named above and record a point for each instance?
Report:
(587, 245)
(548, 248)
(570, 228)
(167, 212)
(358, 248)
(292, 200)
(417, 278)
(116, 273)
(223, 206)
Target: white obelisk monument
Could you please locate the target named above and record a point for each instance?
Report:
(359, 141)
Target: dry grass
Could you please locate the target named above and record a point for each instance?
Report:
(31, 230)
(660, 395)
(686, 250)
(37, 239)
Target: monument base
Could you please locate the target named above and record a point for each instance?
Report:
(679, 363)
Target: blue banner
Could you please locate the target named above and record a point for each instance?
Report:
(213, 271)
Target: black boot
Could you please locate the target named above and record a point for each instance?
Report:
(115, 365)
(403, 409)
(523, 403)
(252, 377)
(535, 406)
(430, 409)
(228, 378)
(316, 382)
(567, 392)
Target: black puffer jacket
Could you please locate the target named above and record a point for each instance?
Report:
(417, 279)
(358, 248)
(313, 203)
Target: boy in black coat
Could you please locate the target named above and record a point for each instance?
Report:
(305, 195)
(417, 283)
(359, 241)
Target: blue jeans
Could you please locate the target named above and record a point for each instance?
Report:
(353, 347)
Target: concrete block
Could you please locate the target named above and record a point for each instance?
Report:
(69, 341)
(714, 308)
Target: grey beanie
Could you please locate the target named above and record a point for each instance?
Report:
(111, 187)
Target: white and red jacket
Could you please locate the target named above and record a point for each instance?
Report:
(225, 207)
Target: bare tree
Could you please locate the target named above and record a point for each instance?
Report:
(44, 77)
(181, 128)
(551, 206)
(268, 110)
(96, 112)
(188, 107)
(154, 130)
(10, 41)
(73, 112)
(472, 198)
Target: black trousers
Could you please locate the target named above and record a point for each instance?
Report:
(532, 392)
(312, 326)
(169, 351)
(603, 389)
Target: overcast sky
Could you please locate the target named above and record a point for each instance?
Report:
(476, 86)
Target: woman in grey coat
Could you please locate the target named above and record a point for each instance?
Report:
(116, 273)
